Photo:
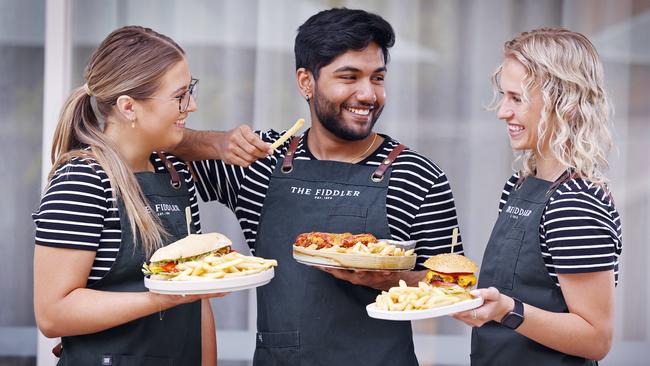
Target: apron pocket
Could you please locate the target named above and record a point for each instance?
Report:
(508, 257)
(346, 219)
(277, 348)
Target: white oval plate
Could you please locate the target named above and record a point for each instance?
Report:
(316, 262)
(354, 261)
(209, 286)
(373, 312)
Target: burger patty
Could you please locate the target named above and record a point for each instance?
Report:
(462, 279)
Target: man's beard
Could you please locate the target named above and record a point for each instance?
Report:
(331, 119)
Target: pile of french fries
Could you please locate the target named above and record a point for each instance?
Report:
(425, 296)
(212, 267)
(380, 248)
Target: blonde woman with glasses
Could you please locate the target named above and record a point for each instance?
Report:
(551, 264)
(110, 202)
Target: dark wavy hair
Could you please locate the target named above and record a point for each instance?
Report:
(330, 33)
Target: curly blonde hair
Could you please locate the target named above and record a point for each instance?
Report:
(575, 118)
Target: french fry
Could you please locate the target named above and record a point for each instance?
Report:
(290, 132)
(424, 296)
(213, 267)
(380, 248)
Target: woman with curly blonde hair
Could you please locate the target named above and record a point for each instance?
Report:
(551, 263)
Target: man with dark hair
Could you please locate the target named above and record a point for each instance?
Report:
(313, 316)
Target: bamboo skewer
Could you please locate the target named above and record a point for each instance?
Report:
(454, 239)
(188, 219)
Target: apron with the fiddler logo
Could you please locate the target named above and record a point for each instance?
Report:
(306, 316)
(513, 263)
(172, 337)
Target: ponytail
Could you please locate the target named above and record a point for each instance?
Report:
(131, 61)
(78, 128)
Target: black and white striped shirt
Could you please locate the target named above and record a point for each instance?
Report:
(78, 211)
(419, 202)
(580, 229)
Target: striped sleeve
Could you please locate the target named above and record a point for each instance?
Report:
(581, 229)
(72, 210)
(218, 181)
(435, 221)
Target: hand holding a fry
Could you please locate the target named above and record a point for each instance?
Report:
(241, 146)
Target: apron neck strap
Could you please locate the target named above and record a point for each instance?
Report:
(378, 175)
(561, 180)
(566, 176)
(287, 165)
(176, 180)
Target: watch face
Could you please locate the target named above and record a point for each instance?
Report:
(512, 320)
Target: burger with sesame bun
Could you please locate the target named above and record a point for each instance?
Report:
(162, 264)
(451, 269)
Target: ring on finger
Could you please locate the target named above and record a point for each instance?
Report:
(474, 316)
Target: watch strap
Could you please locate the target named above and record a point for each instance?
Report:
(519, 307)
(515, 317)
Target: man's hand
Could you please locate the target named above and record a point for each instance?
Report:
(376, 279)
(241, 146)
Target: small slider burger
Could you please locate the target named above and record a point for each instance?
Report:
(163, 262)
(451, 269)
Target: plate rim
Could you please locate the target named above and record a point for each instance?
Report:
(464, 305)
(210, 286)
(303, 255)
(313, 264)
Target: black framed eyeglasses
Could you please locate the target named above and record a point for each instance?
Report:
(184, 99)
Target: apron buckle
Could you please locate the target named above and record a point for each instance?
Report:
(175, 184)
(376, 178)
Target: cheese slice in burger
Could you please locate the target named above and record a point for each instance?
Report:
(451, 269)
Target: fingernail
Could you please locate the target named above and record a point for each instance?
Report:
(475, 293)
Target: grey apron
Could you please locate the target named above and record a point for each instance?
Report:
(513, 263)
(306, 316)
(149, 341)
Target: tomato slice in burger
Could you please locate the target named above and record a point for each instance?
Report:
(169, 267)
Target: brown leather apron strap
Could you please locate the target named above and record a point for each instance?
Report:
(378, 175)
(287, 164)
(176, 179)
(56, 351)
